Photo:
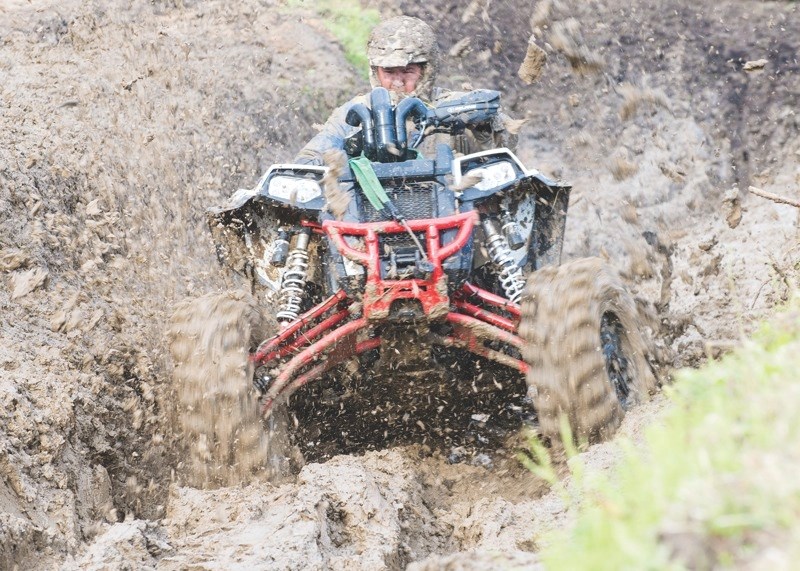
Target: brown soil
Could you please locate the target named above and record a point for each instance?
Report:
(120, 124)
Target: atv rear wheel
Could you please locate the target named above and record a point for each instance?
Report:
(585, 348)
(217, 404)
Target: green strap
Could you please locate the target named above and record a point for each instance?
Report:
(368, 180)
(380, 201)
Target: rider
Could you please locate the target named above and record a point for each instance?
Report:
(404, 58)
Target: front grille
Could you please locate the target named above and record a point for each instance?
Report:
(415, 200)
(399, 242)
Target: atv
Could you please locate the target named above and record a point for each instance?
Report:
(401, 298)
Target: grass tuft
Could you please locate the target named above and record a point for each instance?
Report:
(350, 23)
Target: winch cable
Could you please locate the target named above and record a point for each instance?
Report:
(380, 201)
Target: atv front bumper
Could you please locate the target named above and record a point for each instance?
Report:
(341, 328)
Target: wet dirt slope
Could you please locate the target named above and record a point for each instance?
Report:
(120, 123)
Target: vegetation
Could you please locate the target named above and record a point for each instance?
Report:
(350, 23)
(716, 482)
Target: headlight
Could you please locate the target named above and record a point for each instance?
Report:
(494, 175)
(293, 189)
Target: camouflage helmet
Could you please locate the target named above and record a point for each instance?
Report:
(402, 40)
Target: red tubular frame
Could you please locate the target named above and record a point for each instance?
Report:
(323, 338)
(491, 354)
(379, 294)
(322, 368)
(486, 316)
(305, 337)
(469, 291)
(470, 328)
(266, 349)
(314, 351)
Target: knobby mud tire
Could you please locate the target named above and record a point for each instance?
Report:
(217, 405)
(571, 371)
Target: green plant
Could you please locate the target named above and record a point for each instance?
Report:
(350, 23)
(715, 482)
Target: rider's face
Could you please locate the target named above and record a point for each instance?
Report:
(401, 79)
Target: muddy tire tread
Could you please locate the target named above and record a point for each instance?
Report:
(217, 405)
(561, 313)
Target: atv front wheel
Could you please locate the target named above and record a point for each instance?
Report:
(585, 348)
(217, 404)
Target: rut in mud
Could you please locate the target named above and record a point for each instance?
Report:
(121, 124)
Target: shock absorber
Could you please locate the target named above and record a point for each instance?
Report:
(293, 285)
(512, 279)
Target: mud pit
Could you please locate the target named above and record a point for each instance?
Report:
(120, 125)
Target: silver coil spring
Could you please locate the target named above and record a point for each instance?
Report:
(512, 278)
(293, 284)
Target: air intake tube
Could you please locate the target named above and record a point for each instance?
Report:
(411, 107)
(385, 133)
(359, 115)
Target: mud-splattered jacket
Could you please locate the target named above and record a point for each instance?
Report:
(336, 130)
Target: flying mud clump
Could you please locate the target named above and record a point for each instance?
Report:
(567, 39)
(533, 64)
(338, 200)
(635, 97)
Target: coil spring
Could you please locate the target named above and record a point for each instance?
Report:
(512, 279)
(293, 286)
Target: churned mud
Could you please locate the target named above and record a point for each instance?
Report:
(120, 124)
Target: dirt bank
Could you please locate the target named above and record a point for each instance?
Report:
(121, 124)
